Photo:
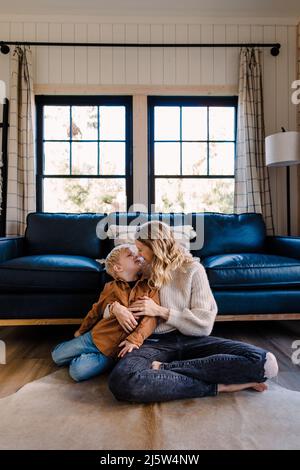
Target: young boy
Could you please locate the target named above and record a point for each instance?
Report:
(96, 346)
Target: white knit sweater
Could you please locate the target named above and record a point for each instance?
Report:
(192, 306)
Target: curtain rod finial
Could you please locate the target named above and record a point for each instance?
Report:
(4, 48)
(275, 50)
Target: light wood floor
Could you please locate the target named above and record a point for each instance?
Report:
(28, 349)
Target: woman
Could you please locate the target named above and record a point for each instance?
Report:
(180, 359)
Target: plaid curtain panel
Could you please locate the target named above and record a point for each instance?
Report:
(21, 195)
(252, 185)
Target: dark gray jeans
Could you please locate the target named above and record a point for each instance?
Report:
(193, 366)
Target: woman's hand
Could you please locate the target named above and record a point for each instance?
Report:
(76, 334)
(146, 306)
(127, 347)
(124, 317)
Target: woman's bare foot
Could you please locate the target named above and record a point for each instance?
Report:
(155, 365)
(258, 386)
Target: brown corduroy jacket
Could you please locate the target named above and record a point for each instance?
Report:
(107, 333)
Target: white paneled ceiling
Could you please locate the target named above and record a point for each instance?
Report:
(216, 8)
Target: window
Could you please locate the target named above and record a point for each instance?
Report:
(84, 153)
(192, 142)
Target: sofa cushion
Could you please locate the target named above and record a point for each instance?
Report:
(251, 270)
(228, 233)
(51, 273)
(67, 234)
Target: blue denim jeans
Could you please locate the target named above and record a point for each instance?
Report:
(83, 357)
(192, 367)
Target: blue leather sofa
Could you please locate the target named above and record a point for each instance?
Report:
(50, 275)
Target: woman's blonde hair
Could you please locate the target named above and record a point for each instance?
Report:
(113, 258)
(168, 255)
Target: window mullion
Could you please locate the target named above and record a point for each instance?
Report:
(98, 144)
(180, 135)
(71, 137)
(208, 142)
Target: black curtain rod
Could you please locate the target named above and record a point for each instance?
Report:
(4, 45)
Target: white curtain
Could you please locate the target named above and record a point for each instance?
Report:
(21, 195)
(252, 185)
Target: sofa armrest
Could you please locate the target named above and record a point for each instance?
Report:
(283, 246)
(11, 247)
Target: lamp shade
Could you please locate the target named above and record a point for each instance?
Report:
(283, 149)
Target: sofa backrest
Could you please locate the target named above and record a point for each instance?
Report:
(58, 233)
(76, 234)
(216, 233)
(230, 233)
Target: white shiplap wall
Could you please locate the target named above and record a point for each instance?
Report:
(86, 70)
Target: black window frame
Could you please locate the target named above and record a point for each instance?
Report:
(209, 101)
(88, 100)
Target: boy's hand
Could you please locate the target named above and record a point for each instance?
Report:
(124, 317)
(127, 347)
(76, 334)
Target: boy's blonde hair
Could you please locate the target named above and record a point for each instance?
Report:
(114, 256)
